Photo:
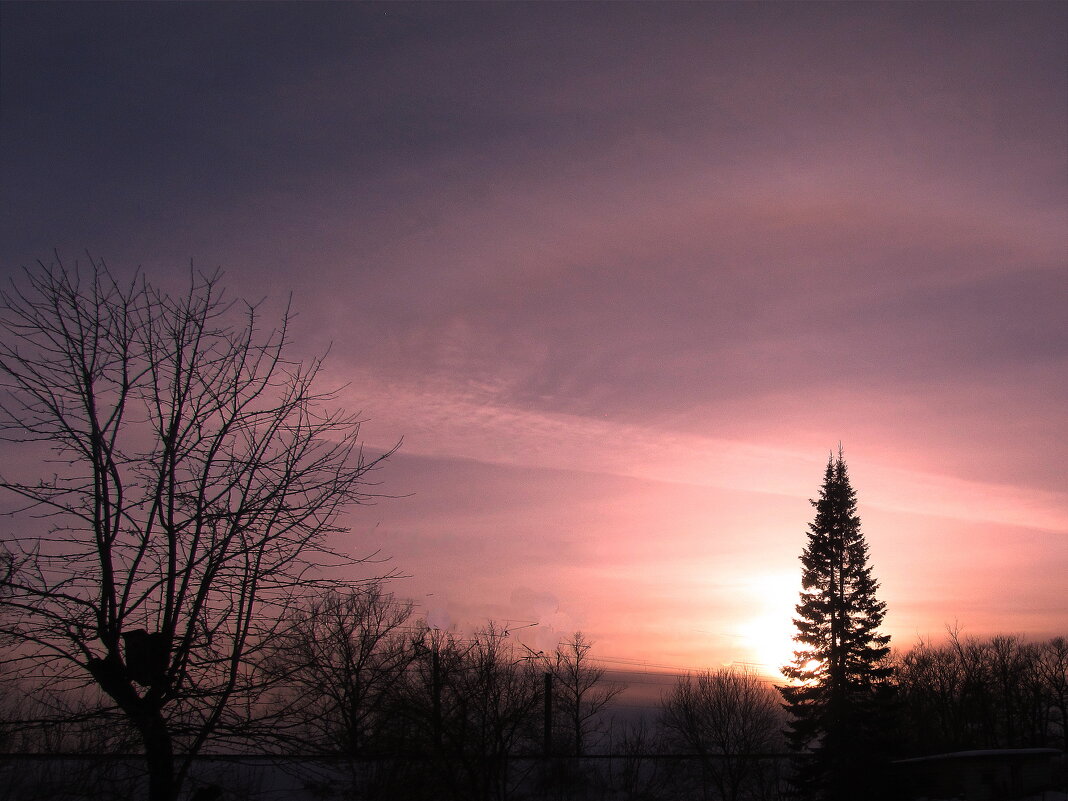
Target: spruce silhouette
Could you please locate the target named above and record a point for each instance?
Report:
(837, 703)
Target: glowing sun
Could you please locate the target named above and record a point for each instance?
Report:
(767, 635)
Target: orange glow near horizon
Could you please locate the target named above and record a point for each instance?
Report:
(768, 635)
(685, 574)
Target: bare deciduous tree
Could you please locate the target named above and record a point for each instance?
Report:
(580, 691)
(497, 695)
(635, 769)
(193, 475)
(339, 658)
(1053, 673)
(472, 705)
(729, 718)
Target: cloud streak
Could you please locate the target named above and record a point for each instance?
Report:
(471, 425)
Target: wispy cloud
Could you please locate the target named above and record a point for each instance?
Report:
(441, 421)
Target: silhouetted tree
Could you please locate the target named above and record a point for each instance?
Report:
(580, 692)
(339, 657)
(929, 680)
(1000, 692)
(430, 709)
(731, 720)
(1053, 673)
(837, 703)
(193, 475)
(499, 692)
(637, 772)
(475, 703)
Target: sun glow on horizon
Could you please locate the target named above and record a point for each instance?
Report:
(768, 635)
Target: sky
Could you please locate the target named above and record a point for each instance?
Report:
(619, 277)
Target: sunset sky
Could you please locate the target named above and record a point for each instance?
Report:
(621, 276)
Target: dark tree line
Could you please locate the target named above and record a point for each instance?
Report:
(437, 713)
(402, 710)
(997, 692)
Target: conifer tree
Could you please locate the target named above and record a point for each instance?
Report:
(837, 698)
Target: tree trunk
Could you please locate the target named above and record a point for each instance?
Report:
(159, 751)
(159, 757)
